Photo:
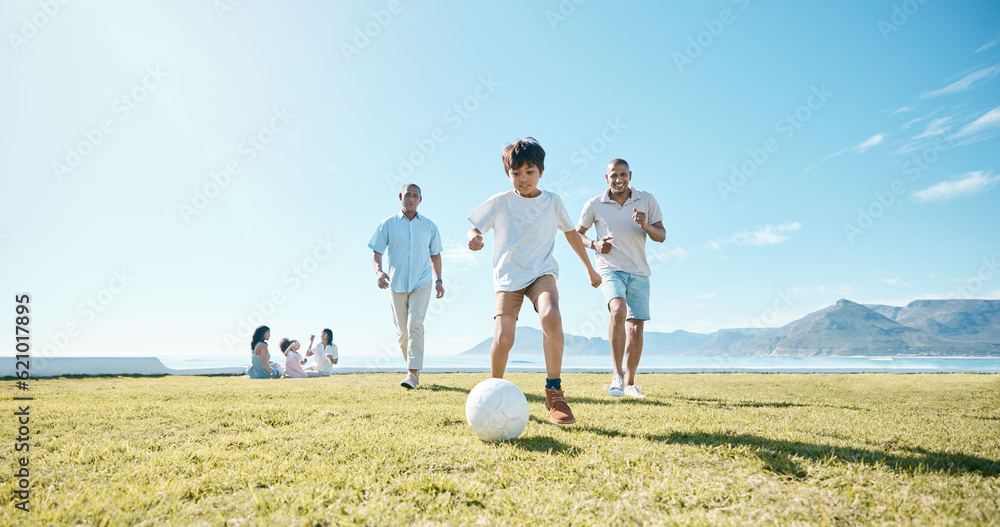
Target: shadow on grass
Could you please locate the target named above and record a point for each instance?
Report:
(983, 417)
(534, 398)
(779, 456)
(545, 444)
(442, 388)
(723, 403)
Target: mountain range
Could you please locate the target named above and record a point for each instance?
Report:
(966, 328)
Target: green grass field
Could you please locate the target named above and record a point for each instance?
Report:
(359, 450)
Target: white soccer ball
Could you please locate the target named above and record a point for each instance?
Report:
(496, 410)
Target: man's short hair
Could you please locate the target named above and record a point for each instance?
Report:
(618, 161)
(408, 185)
(523, 151)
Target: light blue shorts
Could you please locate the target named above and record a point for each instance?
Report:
(632, 287)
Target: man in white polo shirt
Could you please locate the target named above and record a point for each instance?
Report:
(623, 216)
(414, 248)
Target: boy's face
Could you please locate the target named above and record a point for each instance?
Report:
(618, 177)
(525, 180)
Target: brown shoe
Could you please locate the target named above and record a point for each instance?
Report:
(559, 412)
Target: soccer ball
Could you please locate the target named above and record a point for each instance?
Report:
(496, 410)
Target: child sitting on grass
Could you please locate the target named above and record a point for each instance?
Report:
(293, 361)
(525, 220)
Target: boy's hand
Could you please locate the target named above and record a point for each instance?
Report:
(639, 218)
(595, 279)
(603, 245)
(383, 280)
(476, 241)
(439, 287)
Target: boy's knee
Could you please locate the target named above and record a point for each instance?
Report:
(505, 340)
(551, 317)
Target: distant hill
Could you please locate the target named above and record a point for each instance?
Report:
(924, 327)
(847, 328)
(963, 320)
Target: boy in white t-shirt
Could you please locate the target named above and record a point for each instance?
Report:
(524, 221)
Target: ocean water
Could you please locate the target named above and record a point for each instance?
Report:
(653, 363)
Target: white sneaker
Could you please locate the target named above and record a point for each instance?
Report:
(410, 382)
(633, 391)
(617, 388)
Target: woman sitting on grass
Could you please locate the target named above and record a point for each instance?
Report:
(261, 366)
(324, 355)
(293, 361)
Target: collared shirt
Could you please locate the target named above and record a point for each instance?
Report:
(628, 248)
(410, 245)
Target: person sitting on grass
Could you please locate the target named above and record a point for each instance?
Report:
(324, 355)
(293, 361)
(261, 366)
(525, 220)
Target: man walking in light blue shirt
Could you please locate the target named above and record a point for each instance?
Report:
(414, 249)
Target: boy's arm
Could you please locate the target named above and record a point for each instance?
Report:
(573, 237)
(476, 239)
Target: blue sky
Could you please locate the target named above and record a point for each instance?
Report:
(174, 173)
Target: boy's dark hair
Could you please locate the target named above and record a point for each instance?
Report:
(285, 343)
(523, 151)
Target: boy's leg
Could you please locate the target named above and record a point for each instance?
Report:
(503, 341)
(552, 332)
(508, 305)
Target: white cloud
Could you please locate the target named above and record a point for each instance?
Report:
(870, 142)
(667, 254)
(895, 281)
(916, 120)
(833, 155)
(934, 129)
(972, 183)
(699, 297)
(964, 83)
(458, 258)
(766, 235)
(987, 46)
(990, 119)
(901, 110)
